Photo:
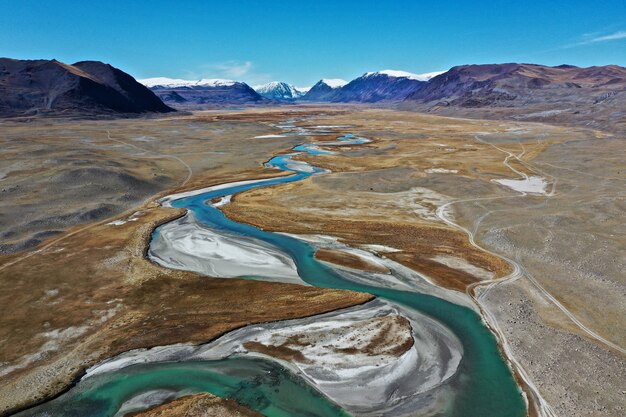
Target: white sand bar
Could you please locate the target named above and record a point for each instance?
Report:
(531, 185)
(186, 244)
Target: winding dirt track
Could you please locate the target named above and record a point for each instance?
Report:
(157, 155)
(443, 213)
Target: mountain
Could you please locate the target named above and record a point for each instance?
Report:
(277, 90)
(324, 90)
(371, 87)
(388, 85)
(564, 93)
(204, 93)
(30, 87)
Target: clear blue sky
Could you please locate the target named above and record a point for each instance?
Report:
(303, 41)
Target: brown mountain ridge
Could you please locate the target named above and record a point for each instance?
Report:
(50, 87)
(593, 96)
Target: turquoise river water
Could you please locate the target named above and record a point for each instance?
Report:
(484, 385)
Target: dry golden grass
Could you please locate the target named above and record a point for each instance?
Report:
(349, 260)
(89, 293)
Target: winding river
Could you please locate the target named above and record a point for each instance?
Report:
(482, 385)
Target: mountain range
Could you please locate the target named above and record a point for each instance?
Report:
(34, 87)
(371, 87)
(516, 84)
(204, 93)
(593, 96)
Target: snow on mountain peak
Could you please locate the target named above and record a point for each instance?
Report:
(278, 90)
(404, 74)
(334, 82)
(177, 82)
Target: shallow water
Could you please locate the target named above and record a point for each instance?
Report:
(261, 385)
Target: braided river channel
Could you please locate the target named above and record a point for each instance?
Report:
(454, 368)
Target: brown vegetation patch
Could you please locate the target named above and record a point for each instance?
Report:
(393, 338)
(416, 242)
(349, 260)
(282, 351)
(199, 405)
(441, 274)
(388, 335)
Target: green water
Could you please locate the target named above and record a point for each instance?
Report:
(258, 384)
(483, 386)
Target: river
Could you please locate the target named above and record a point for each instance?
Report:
(483, 384)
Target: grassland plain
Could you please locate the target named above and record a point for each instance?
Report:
(79, 288)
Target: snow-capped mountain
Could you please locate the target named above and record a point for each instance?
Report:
(334, 82)
(277, 90)
(164, 82)
(386, 85)
(324, 90)
(203, 93)
(404, 74)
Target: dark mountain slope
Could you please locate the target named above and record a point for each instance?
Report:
(324, 90)
(517, 84)
(203, 94)
(377, 86)
(29, 87)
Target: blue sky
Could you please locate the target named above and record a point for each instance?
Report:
(303, 41)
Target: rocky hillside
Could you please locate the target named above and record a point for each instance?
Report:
(565, 93)
(50, 87)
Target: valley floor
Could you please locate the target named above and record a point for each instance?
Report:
(526, 218)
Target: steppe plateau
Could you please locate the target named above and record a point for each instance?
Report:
(526, 218)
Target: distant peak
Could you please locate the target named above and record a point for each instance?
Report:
(278, 90)
(334, 82)
(271, 84)
(404, 74)
(177, 82)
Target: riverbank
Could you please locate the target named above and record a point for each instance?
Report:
(90, 294)
(439, 155)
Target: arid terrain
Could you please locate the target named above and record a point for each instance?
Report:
(526, 218)
(567, 301)
(87, 292)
